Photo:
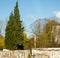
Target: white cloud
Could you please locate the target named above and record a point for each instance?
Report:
(29, 16)
(57, 14)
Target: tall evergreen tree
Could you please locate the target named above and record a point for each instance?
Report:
(14, 31)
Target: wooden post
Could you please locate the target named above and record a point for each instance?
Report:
(35, 41)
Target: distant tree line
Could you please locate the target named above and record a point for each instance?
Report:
(47, 33)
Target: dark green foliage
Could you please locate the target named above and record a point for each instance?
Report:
(14, 31)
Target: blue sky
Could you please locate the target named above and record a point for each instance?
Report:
(30, 10)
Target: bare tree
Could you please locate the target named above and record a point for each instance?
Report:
(38, 29)
(35, 27)
(1, 26)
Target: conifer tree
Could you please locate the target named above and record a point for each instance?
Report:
(14, 31)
